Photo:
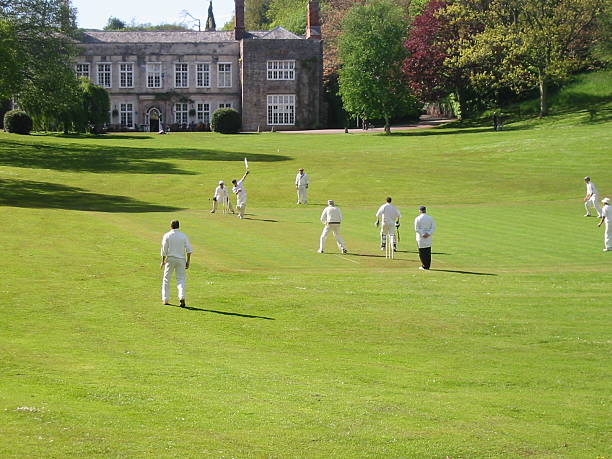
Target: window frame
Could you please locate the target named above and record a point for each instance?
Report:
(79, 73)
(282, 74)
(153, 73)
(202, 72)
(126, 73)
(225, 74)
(271, 111)
(110, 74)
(184, 110)
(124, 112)
(185, 74)
(200, 118)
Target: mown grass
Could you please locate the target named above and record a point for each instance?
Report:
(501, 351)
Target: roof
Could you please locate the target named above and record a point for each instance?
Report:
(216, 36)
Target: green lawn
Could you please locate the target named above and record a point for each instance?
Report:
(502, 350)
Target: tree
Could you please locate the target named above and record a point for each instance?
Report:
(527, 43)
(371, 53)
(115, 24)
(256, 14)
(40, 72)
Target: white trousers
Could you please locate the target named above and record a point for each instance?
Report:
(302, 193)
(593, 201)
(228, 204)
(335, 229)
(241, 207)
(608, 236)
(387, 229)
(177, 265)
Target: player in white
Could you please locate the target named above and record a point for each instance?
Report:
(390, 216)
(424, 226)
(591, 197)
(222, 197)
(176, 255)
(301, 184)
(606, 216)
(331, 218)
(241, 195)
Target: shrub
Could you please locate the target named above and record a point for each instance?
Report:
(226, 121)
(17, 122)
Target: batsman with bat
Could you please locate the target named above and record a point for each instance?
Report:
(240, 192)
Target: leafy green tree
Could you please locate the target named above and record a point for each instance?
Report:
(289, 14)
(371, 53)
(256, 14)
(527, 43)
(115, 24)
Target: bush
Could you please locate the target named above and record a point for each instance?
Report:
(17, 122)
(226, 121)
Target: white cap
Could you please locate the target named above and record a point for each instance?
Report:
(606, 200)
(221, 182)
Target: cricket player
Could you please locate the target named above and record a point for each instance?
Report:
(331, 218)
(175, 245)
(241, 195)
(424, 226)
(606, 216)
(222, 197)
(591, 197)
(301, 184)
(390, 216)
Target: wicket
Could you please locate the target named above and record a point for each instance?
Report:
(389, 247)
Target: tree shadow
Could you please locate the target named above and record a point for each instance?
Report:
(463, 272)
(223, 313)
(98, 158)
(45, 195)
(60, 135)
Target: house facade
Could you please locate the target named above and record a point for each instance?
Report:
(159, 79)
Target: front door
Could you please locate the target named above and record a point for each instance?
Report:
(154, 121)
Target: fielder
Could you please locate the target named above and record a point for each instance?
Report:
(301, 184)
(606, 216)
(174, 246)
(591, 197)
(424, 226)
(222, 197)
(390, 220)
(241, 195)
(331, 218)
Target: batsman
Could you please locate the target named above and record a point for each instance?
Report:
(390, 217)
(240, 191)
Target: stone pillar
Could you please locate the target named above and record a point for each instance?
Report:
(239, 25)
(313, 27)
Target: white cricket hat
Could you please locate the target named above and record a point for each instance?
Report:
(606, 200)
(221, 182)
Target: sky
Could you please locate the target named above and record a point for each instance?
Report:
(94, 14)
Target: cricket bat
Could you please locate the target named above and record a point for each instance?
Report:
(246, 163)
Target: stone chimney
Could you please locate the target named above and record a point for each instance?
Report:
(239, 15)
(313, 27)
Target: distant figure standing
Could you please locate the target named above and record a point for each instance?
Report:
(174, 247)
(241, 195)
(331, 218)
(390, 216)
(606, 216)
(591, 197)
(496, 121)
(222, 197)
(301, 184)
(424, 226)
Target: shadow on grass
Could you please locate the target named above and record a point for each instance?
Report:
(223, 313)
(60, 135)
(261, 219)
(45, 195)
(112, 159)
(463, 272)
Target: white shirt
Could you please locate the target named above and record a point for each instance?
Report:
(388, 212)
(331, 214)
(591, 189)
(220, 193)
(606, 212)
(175, 244)
(424, 224)
(239, 191)
(301, 180)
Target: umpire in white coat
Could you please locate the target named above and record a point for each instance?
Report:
(606, 217)
(301, 184)
(424, 226)
(390, 216)
(176, 255)
(331, 218)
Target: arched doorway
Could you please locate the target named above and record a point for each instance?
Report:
(154, 119)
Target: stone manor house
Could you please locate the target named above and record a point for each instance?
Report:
(159, 79)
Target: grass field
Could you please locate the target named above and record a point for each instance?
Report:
(502, 350)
